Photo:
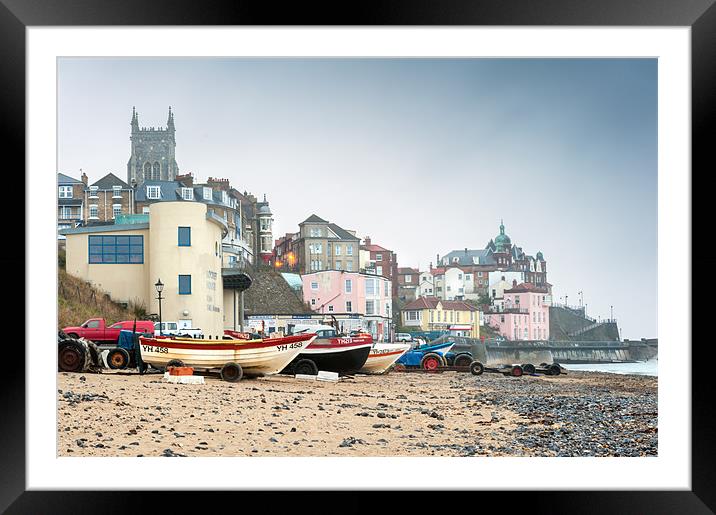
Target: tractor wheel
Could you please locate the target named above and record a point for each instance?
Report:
(305, 366)
(463, 360)
(554, 369)
(231, 372)
(430, 362)
(74, 335)
(117, 358)
(528, 368)
(516, 371)
(399, 367)
(71, 357)
(476, 368)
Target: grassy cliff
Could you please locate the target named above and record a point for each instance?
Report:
(77, 301)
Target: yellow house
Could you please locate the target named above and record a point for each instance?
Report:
(432, 314)
(177, 242)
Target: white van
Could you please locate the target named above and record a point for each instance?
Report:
(403, 337)
(171, 328)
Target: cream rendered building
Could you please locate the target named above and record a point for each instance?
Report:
(179, 243)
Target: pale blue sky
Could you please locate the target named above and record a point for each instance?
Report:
(423, 155)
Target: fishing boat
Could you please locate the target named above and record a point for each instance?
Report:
(382, 356)
(233, 357)
(332, 353)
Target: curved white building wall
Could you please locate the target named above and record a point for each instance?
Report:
(201, 260)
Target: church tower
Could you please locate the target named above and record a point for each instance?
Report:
(152, 157)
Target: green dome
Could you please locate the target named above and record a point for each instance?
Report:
(502, 240)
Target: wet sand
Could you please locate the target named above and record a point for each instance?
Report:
(122, 413)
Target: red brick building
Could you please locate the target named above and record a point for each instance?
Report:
(379, 260)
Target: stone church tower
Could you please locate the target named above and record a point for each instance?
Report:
(153, 149)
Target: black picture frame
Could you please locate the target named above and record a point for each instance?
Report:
(699, 15)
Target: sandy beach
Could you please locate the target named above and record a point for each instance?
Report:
(122, 413)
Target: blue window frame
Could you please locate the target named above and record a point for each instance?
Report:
(116, 250)
(184, 285)
(185, 236)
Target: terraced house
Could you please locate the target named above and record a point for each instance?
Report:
(70, 199)
(106, 199)
(433, 314)
(322, 245)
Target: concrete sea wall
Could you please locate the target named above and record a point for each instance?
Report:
(494, 352)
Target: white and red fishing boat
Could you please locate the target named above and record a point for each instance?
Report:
(382, 356)
(331, 353)
(233, 357)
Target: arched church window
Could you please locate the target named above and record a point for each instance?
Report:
(156, 170)
(147, 171)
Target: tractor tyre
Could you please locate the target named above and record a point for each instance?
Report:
(232, 372)
(516, 371)
(463, 360)
(476, 368)
(528, 368)
(118, 358)
(431, 361)
(554, 369)
(71, 356)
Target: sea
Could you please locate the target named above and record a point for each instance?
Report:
(645, 368)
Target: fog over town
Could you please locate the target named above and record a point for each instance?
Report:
(424, 156)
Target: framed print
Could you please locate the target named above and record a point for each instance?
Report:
(430, 251)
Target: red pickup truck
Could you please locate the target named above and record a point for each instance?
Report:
(96, 330)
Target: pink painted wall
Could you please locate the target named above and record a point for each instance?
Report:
(533, 325)
(331, 291)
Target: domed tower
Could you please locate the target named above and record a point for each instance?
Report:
(503, 246)
(265, 236)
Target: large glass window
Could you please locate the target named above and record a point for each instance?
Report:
(116, 210)
(184, 236)
(65, 191)
(184, 284)
(116, 249)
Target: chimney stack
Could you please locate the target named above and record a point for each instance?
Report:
(367, 241)
(514, 283)
(84, 178)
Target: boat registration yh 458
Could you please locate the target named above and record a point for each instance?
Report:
(233, 358)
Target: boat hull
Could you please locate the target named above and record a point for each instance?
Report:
(256, 357)
(382, 356)
(342, 359)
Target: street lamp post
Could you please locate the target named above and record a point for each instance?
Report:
(159, 286)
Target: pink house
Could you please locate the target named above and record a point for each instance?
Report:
(525, 315)
(365, 295)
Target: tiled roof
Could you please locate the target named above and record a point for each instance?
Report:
(169, 190)
(109, 180)
(465, 257)
(526, 287)
(342, 233)
(408, 270)
(422, 303)
(458, 305)
(66, 179)
(314, 219)
(374, 248)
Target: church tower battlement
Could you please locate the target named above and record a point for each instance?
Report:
(152, 157)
